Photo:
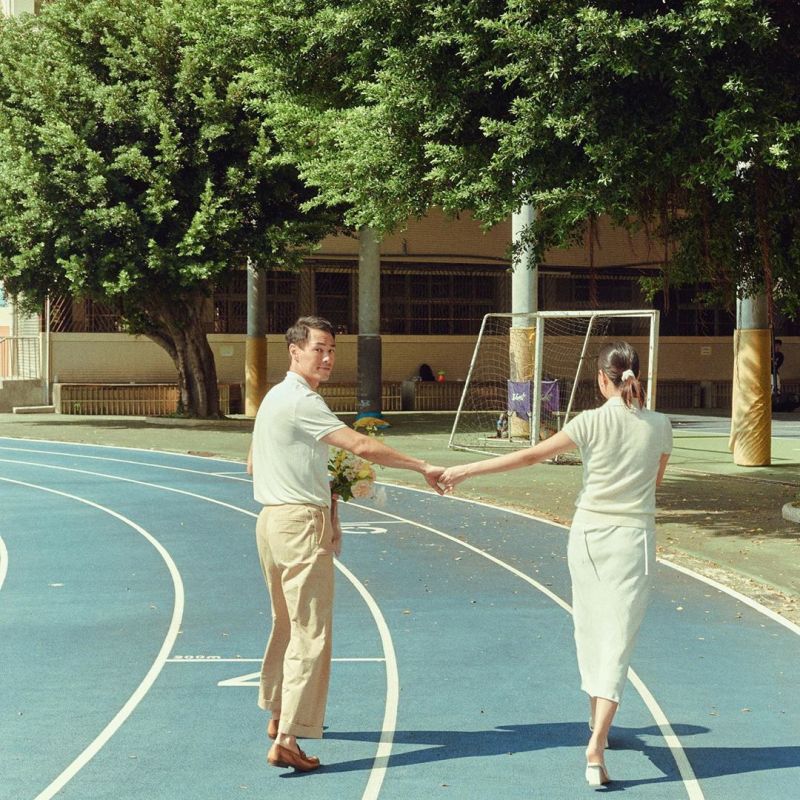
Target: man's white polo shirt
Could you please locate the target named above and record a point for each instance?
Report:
(290, 463)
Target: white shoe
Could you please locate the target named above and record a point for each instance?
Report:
(596, 775)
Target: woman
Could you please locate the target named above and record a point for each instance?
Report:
(625, 449)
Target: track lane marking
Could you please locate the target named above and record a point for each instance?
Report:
(219, 660)
(389, 725)
(3, 562)
(155, 669)
(383, 752)
(748, 601)
(755, 605)
(240, 476)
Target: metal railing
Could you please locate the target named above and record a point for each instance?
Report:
(126, 399)
(20, 357)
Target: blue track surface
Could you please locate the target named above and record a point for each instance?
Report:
(133, 616)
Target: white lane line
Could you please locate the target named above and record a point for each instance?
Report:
(3, 562)
(754, 604)
(149, 451)
(748, 601)
(389, 725)
(693, 790)
(211, 660)
(232, 476)
(219, 660)
(378, 770)
(131, 480)
(672, 741)
(149, 679)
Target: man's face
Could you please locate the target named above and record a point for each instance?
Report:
(315, 360)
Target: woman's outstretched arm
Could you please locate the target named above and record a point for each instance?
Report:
(550, 447)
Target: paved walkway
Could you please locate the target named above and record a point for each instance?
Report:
(719, 519)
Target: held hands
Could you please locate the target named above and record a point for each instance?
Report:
(451, 477)
(432, 477)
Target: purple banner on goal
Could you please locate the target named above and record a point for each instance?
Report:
(519, 398)
(551, 399)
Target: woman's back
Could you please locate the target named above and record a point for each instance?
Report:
(621, 449)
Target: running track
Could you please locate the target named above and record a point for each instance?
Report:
(133, 616)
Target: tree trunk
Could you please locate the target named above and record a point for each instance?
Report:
(178, 328)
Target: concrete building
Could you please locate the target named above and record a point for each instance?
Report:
(438, 278)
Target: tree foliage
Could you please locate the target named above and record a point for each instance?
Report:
(134, 170)
(681, 116)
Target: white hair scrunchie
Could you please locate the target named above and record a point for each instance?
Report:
(627, 374)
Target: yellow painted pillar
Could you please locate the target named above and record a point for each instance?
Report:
(255, 373)
(751, 414)
(522, 349)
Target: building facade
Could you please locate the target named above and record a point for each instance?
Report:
(439, 277)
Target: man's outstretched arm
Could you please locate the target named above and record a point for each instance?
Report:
(374, 450)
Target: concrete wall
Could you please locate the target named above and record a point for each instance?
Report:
(119, 358)
(19, 393)
(437, 237)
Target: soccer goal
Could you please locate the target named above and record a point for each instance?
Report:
(530, 373)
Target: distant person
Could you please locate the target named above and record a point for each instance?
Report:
(297, 535)
(611, 549)
(426, 373)
(777, 363)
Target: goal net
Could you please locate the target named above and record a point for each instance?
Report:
(530, 373)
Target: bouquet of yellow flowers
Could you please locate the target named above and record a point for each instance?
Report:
(350, 475)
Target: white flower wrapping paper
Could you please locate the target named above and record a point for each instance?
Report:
(350, 476)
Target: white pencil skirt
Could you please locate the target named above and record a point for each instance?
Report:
(611, 575)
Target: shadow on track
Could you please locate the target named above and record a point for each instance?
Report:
(507, 740)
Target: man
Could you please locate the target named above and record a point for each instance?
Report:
(777, 363)
(297, 538)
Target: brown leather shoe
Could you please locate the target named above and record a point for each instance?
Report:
(279, 756)
(272, 728)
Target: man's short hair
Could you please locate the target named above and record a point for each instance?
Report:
(778, 341)
(299, 332)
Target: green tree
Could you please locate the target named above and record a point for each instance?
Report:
(681, 116)
(134, 171)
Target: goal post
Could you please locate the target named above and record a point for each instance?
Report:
(531, 373)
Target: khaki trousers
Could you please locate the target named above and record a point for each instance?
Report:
(296, 551)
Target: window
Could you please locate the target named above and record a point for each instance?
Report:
(574, 292)
(333, 293)
(230, 302)
(427, 302)
(688, 316)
